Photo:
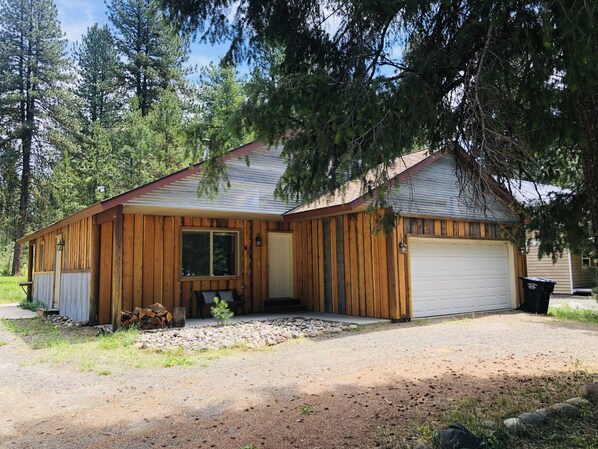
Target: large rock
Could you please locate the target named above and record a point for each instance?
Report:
(590, 392)
(534, 419)
(566, 410)
(577, 402)
(514, 425)
(456, 436)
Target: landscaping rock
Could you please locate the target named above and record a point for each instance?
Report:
(534, 419)
(489, 424)
(422, 445)
(456, 436)
(566, 410)
(253, 334)
(577, 402)
(590, 392)
(514, 425)
(545, 412)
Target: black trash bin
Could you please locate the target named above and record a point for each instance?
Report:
(536, 294)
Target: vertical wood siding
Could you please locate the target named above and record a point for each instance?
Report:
(74, 296)
(363, 272)
(151, 261)
(76, 253)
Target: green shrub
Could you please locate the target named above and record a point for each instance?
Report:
(221, 312)
(31, 305)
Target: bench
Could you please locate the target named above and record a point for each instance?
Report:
(205, 300)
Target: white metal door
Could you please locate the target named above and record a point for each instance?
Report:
(451, 276)
(280, 265)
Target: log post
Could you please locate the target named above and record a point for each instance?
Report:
(117, 268)
(94, 281)
(178, 317)
(30, 272)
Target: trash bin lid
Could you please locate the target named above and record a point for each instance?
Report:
(535, 279)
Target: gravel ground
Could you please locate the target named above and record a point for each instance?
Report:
(252, 334)
(391, 375)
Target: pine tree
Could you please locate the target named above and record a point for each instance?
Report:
(81, 175)
(31, 75)
(153, 53)
(363, 82)
(97, 84)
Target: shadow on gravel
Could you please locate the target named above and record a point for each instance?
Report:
(349, 416)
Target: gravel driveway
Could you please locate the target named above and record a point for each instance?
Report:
(351, 383)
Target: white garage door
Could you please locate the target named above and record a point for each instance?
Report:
(450, 276)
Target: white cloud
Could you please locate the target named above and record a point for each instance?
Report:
(76, 16)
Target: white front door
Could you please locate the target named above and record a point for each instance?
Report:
(452, 276)
(57, 277)
(280, 265)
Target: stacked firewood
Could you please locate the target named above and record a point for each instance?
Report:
(155, 316)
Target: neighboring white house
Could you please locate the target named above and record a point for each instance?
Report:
(573, 273)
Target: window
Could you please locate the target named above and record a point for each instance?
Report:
(210, 253)
(588, 262)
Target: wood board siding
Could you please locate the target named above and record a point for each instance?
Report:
(76, 264)
(76, 253)
(43, 288)
(436, 192)
(365, 274)
(151, 261)
(74, 295)
(544, 268)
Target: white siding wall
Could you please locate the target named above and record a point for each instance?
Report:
(43, 287)
(74, 296)
(435, 192)
(251, 191)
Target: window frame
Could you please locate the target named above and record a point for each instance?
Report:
(591, 263)
(211, 231)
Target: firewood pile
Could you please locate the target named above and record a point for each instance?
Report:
(155, 316)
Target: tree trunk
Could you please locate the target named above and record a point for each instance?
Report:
(23, 201)
(587, 110)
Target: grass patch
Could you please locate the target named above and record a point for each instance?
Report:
(10, 292)
(3, 343)
(31, 305)
(527, 395)
(566, 312)
(85, 350)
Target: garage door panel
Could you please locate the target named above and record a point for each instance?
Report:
(459, 276)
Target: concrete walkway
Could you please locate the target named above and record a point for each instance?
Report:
(576, 302)
(362, 321)
(14, 312)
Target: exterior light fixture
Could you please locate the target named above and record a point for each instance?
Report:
(60, 244)
(523, 249)
(403, 247)
(258, 240)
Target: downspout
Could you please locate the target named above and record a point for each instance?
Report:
(570, 271)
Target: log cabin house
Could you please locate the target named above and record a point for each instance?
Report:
(161, 243)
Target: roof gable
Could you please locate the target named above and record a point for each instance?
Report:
(436, 192)
(251, 189)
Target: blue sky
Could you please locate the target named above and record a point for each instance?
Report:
(76, 16)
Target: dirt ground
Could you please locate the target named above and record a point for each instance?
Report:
(352, 384)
